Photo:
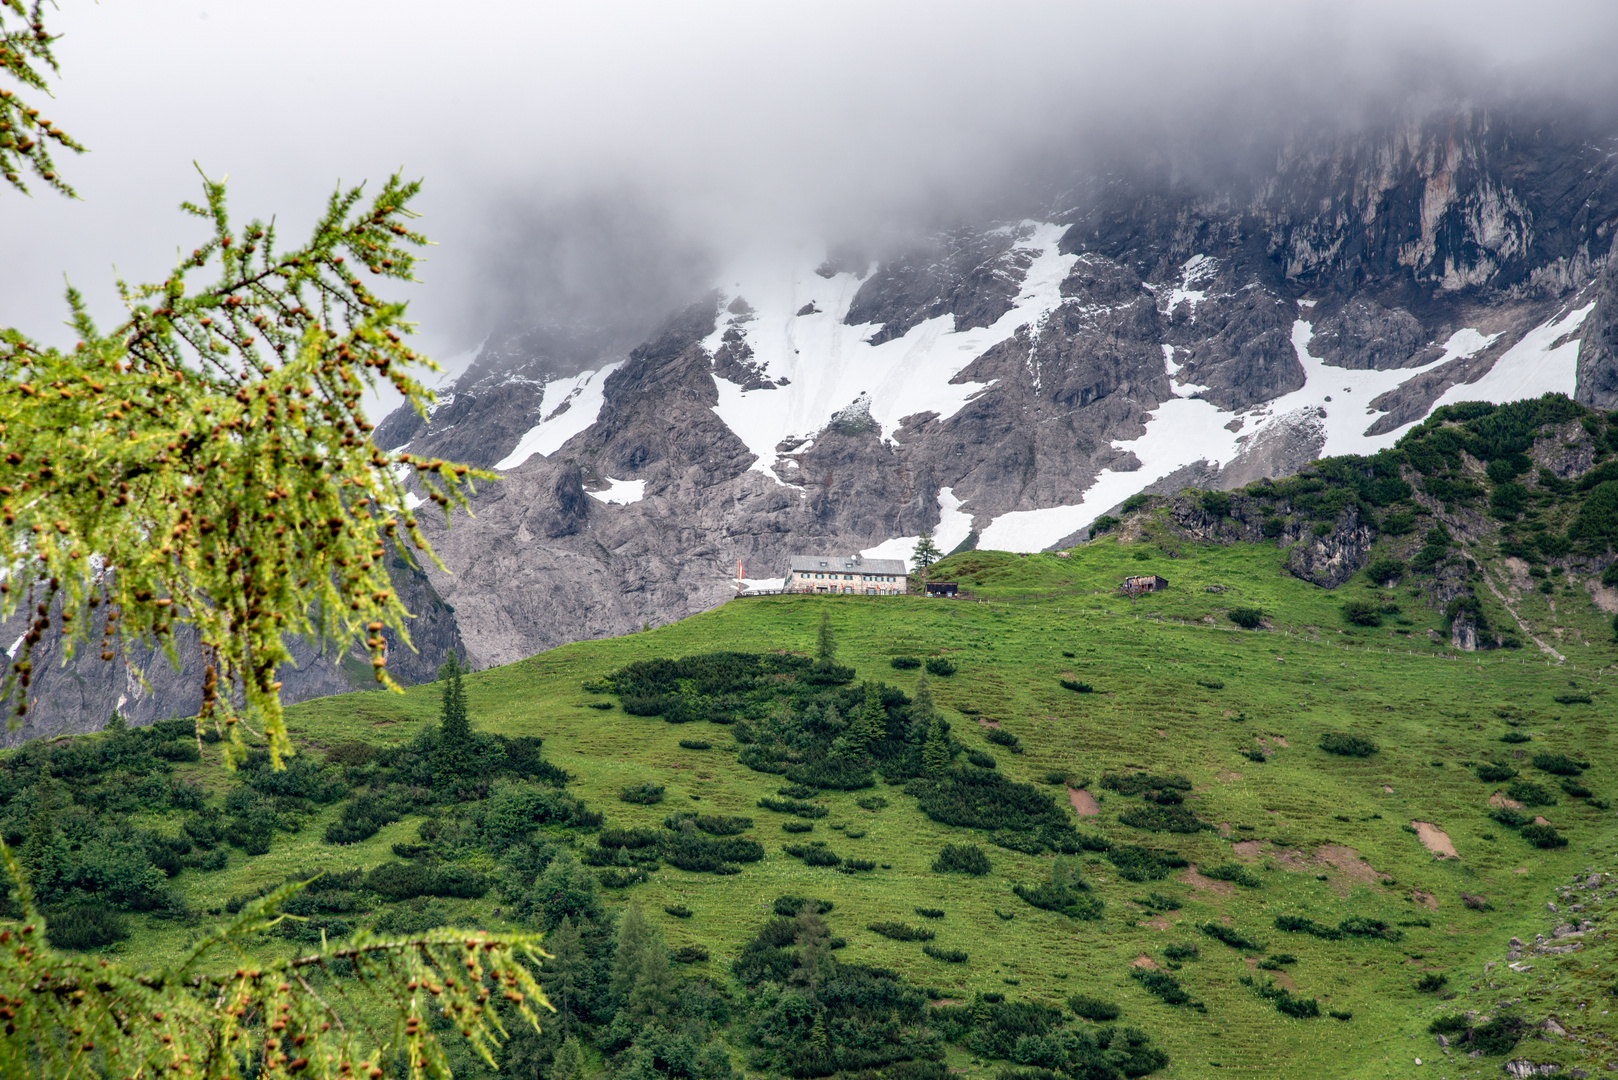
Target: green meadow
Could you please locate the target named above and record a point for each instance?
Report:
(1176, 688)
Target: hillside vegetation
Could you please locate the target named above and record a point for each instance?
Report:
(1246, 823)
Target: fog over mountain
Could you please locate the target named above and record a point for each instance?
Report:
(723, 283)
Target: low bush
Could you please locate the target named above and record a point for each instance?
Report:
(795, 826)
(1362, 612)
(602, 705)
(622, 879)
(980, 759)
(1543, 836)
(793, 806)
(939, 666)
(796, 791)
(688, 954)
(961, 859)
(679, 911)
(1057, 778)
(1179, 954)
(1093, 1008)
(643, 794)
(813, 854)
(1077, 687)
(1358, 926)
(1002, 737)
(1347, 745)
(949, 956)
(1211, 684)
(404, 881)
(857, 866)
(1295, 1007)
(898, 931)
(1530, 794)
(1165, 987)
(1248, 618)
(86, 927)
(1432, 982)
(1137, 863)
(719, 825)
(905, 663)
(1174, 819)
(1140, 783)
(872, 802)
(930, 912)
(696, 744)
(1230, 936)
(1574, 788)
(349, 752)
(1495, 773)
(1558, 764)
(787, 907)
(1516, 737)
(1276, 961)
(1575, 698)
(1234, 872)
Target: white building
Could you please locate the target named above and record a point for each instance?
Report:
(845, 574)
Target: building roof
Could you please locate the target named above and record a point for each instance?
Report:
(808, 564)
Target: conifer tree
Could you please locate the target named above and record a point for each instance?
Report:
(643, 985)
(871, 724)
(825, 643)
(922, 713)
(935, 753)
(566, 973)
(569, 1061)
(926, 553)
(633, 934)
(454, 752)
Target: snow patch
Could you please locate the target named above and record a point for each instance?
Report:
(1197, 269)
(954, 526)
(620, 492)
(582, 395)
(827, 365)
(412, 500)
(1534, 366)
(15, 645)
(763, 584)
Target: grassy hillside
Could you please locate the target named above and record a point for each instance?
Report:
(1177, 689)
(1388, 931)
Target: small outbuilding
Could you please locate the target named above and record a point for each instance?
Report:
(1143, 583)
(942, 588)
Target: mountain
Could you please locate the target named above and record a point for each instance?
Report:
(1001, 383)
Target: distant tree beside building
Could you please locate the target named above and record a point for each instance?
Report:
(926, 553)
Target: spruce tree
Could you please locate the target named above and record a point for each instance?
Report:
(565, 974)
(825, 643)
(633, 934)
(922, 713)
(871, 724)
(569, 1061)
(935, 754)
(454, 753)
(926, 553)
(643, 985)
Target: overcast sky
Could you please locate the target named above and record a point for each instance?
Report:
(716, 123)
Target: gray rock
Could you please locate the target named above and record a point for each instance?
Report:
(1361, 333)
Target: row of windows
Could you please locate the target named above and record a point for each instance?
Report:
(850, 577)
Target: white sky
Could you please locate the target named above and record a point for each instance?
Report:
(731, 119)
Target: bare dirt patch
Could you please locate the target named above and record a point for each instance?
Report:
(1144, 961)
(1084, 803)
(1227, 776)
(985, 722)
(1435, 840)
(1539, 820)
(1157, 922)
(1604, 597)
(1246, 850)
(1387, 789)
(1500, 802)
(1425, 899)
(1190, 876)
(1344, 866)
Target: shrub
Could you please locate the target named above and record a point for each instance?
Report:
(1230, 936)
(1057, 778)
(1543, 836)
(361, 818)
(930, 912)
(813, 854)
(949, 956)
(797, 826)
(1347, 745)
(1574, 788)
(1093, 1008)
(1142, 783)
(1385, 570)
(622, 879)
(1002, 737)
(688, 954)
(178, 750)
(1181, 953)
(1362, 612)
(1248, 618)
(1077, 687)
(872, 802)
(1559, 764)
(1530, 794)
(787, 907)
(1432, 982)
(87, 927)
(857, 866)
(644, 794)
(1104, 523)
(1174, 819)
(1495, 773)
(1575, 698)
(980, 759)
(898, 931)
(982, 799)
(961, 859)
(1275, 961)
(1137, 863)
(1216, 503)
(403, 881)
(1135, 502)
(1499, 1035)
(1211, 684)
(1165, 987)
(793, 806)
(1235, 872)
(696, 744)
(679, 911)
(937, 665)
(1295, 1007)
(349, 752)
(1515, 737)
(905, 663)
(1358, 926)
(718, 825)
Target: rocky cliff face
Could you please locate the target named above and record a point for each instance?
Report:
(1004, 383)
